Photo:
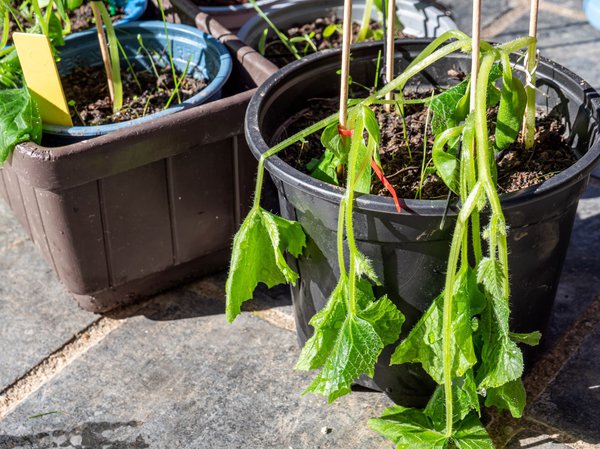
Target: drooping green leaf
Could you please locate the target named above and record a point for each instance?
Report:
(501, 358)
(424, 344)
(409, 428)
(334, 142)
(530, 339)
(355, 353)
(385, 318)
(371, 123)
(446, 163)
(346, 345)
(325, 168)
(513, 100)
(470, 434)
(491, 275)
(363, 179)
(327, 323)
(450, 108)
(464, 400)
(19, 120)
(258, 256)
(444, 108)
(510, 396)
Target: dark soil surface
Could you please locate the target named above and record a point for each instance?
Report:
(81, 18)
(278, 53)
(402, 159)
(87, 88)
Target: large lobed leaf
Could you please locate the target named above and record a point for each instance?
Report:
(409, 428)
(258, 256)
(19, 120)
(348, 345)
(424, 344)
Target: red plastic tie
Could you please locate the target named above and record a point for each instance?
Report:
(345, 132)
(386, 184)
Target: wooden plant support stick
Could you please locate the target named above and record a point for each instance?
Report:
(345, 72)
(476, 34)
(389, 56)
(529, 120)
(104, 50)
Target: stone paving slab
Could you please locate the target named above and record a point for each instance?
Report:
(572, 402)
(179, 376)
(533, 440)
(580, 279)
(461, 11)
(37, 316)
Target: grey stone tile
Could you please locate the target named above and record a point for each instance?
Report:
(37, 315)
(571, 402)
(11, 232)
(462, 11)
(580, 279)
(180, 377)
(533, 440)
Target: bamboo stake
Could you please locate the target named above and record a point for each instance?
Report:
(104, 50)
(389, 56)
(529, 119)
(476, 35)
(345, 72)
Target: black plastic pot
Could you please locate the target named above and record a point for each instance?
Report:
(409, 250)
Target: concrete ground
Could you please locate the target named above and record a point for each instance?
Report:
(170, 373)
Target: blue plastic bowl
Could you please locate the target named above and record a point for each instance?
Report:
(592, 12)
(209, 60)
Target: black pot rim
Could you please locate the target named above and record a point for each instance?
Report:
(288, 174)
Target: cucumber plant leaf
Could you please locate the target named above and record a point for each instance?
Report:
(19, 120)
(470, 434)
(450, 107)
(348, 345)
(513, 100)
(502, 360)
(530, 339)
(464, 400)
(258, 256)
(325, 168)
(511, 396)
(334, 142)
(446, 163)
(424, 344)
(409, 428)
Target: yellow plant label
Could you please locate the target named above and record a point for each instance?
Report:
(41, 75)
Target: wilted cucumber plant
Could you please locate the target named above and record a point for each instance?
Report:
(463, 340)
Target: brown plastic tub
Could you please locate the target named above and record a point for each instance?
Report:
(134, 212)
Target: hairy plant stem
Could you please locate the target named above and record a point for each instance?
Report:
(340, 237)
(455, 249)
(350, 185)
